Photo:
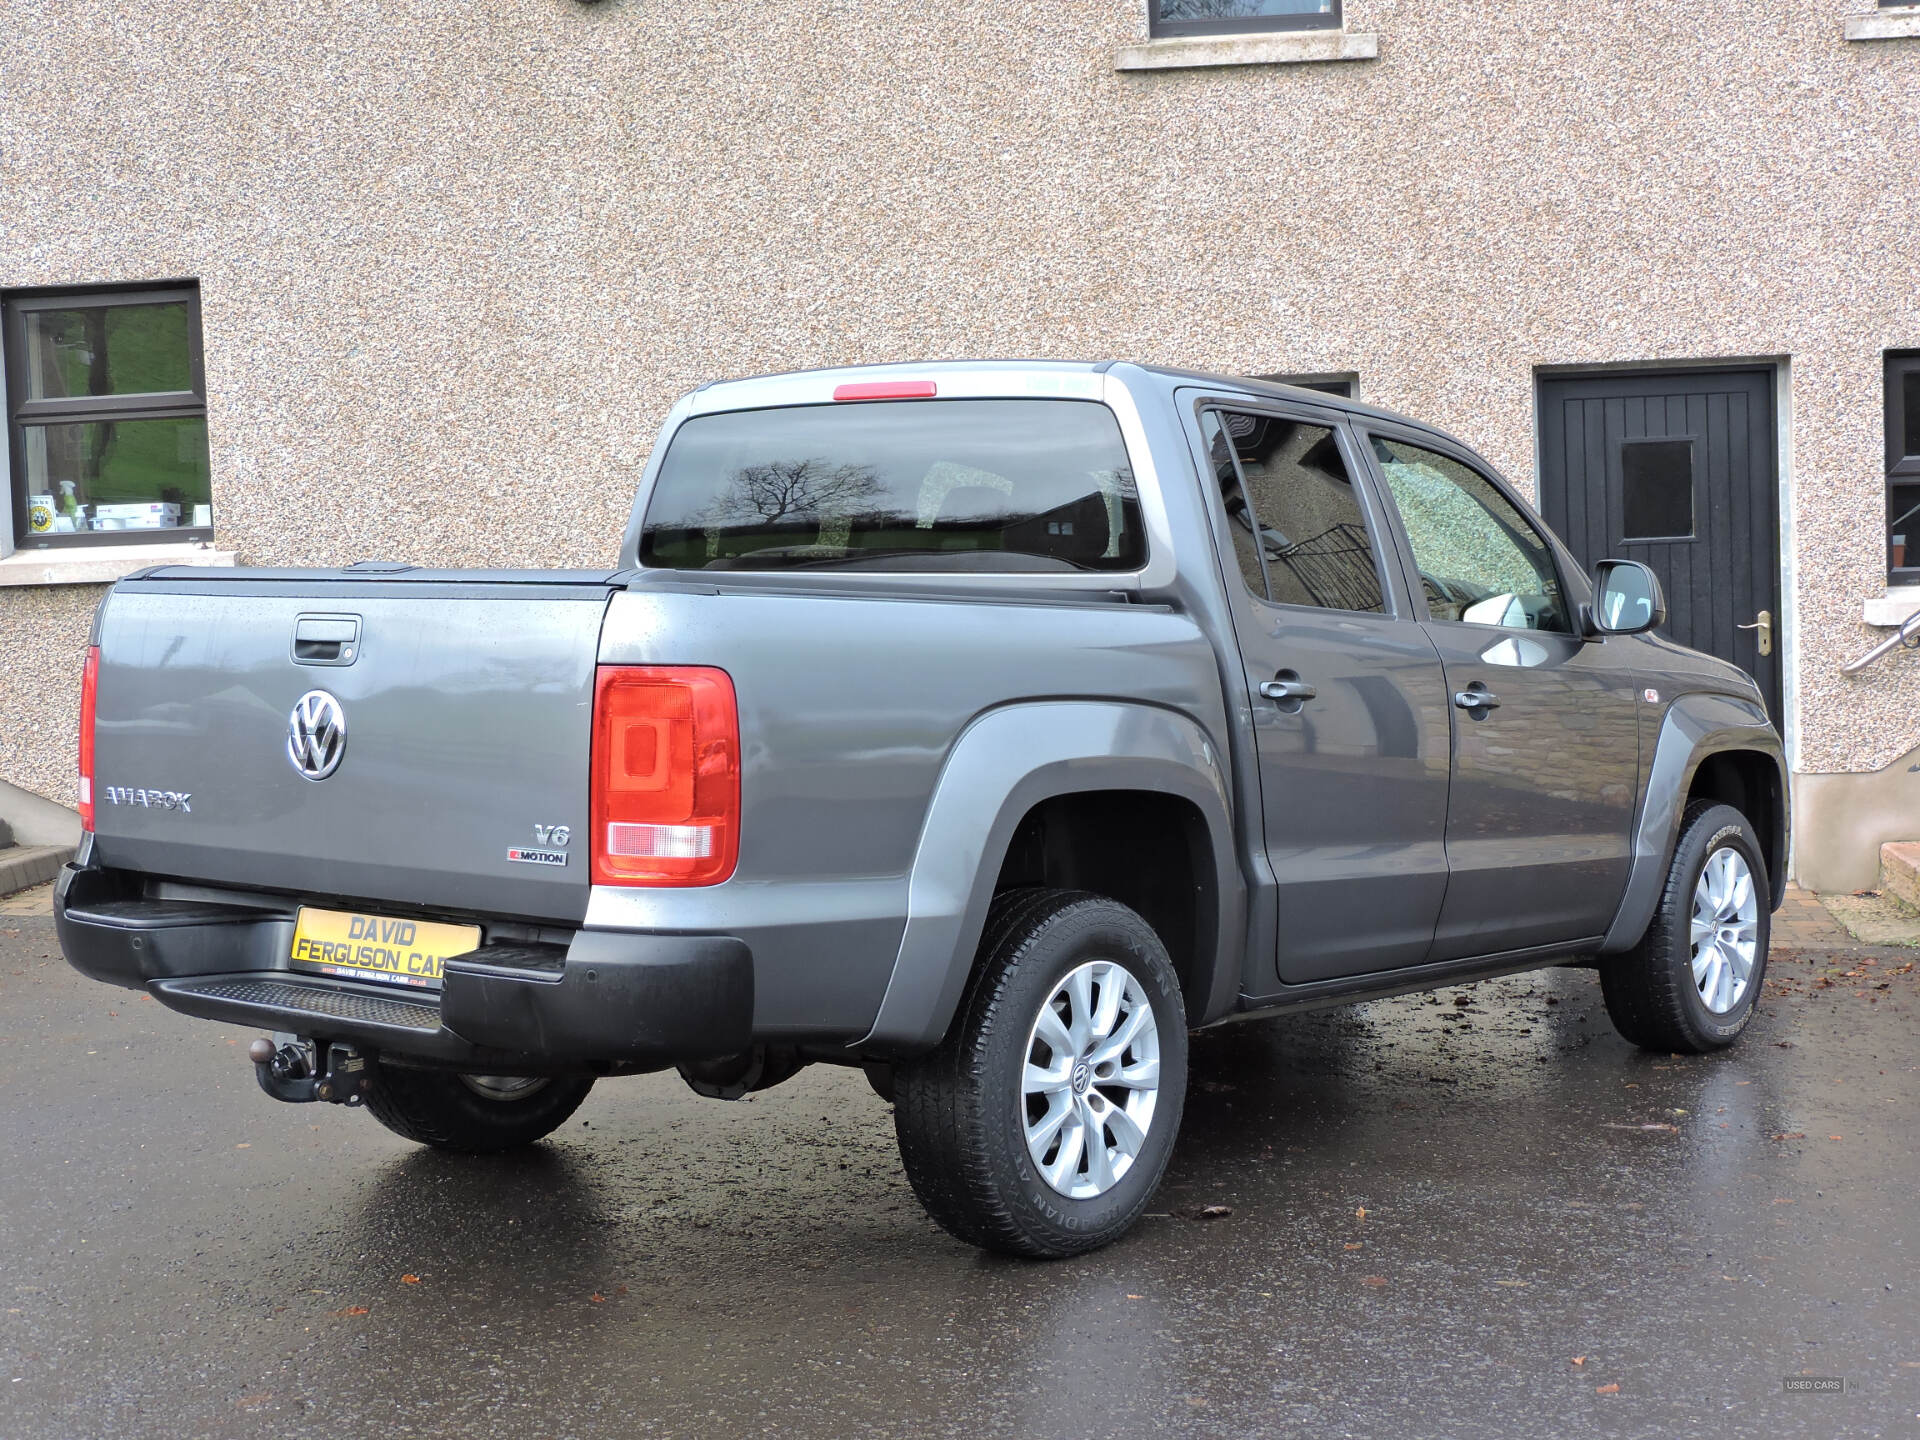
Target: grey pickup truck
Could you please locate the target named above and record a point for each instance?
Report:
(988, 726)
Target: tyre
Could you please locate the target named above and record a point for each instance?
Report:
(472, 1112)
(1691, 984)
(1044, 1121)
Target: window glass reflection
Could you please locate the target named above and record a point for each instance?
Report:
(107, 350)
(101, 476)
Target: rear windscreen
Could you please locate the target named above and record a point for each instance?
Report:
(990, 485)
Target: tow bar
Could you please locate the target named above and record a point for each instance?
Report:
(297, 1071)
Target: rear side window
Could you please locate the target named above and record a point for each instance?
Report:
(1298, 528)
(978, 485)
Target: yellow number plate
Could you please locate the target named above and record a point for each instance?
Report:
(373, 947)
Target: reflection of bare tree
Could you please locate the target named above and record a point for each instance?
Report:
(1233, 9)
(794, 490)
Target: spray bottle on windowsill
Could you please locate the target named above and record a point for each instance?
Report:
(67, 518)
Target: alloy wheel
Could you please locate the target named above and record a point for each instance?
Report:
(1091, 1080)
(1725, 933)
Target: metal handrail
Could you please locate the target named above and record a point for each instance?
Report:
(1907, 635)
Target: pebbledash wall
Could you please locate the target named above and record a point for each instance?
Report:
(457, 259)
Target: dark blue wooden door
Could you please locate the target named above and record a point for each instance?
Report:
(1677, 469)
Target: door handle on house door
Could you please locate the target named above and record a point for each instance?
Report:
(1765, 626)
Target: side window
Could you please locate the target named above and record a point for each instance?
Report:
(1903, 467)
(1481, 561)
(1239, 17)
(1303, 520)
(107, 416)
(1234, 497)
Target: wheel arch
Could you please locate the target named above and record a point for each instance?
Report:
(1023, 790)
(1715, 747)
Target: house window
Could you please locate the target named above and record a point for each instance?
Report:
(107, 416)
(1346, 386)
(1903, 468)
(1233, 17)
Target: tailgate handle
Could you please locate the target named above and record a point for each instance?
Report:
(326, 639)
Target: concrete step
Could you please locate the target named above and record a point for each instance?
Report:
(6, 836)
(1900, 873)
(24, 866)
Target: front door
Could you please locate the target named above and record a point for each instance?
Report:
(1676, 469)
(1546, 751)
(1348, 698)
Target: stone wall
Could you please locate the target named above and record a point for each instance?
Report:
(457, 259)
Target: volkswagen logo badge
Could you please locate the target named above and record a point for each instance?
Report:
(316, 735)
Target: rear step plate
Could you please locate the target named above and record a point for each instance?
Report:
(306, 997)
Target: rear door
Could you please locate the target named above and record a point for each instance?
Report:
(1546, 748)
(421, 741)
(1347, 694)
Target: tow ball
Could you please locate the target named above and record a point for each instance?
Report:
(297, 1071)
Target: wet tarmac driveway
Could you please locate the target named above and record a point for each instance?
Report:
(1478, 1220)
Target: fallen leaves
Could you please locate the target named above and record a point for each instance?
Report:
(1788, 1135)
(409, 1279)
(1354, 1245)
(1579, 1359)
(1374, 1280)
(351, 1310)
(1606, 1389)
(1361, 1213)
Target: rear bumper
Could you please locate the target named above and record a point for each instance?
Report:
(609, 999)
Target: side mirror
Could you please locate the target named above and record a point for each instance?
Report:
(1627, 599)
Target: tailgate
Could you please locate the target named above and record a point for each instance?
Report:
(461, 780)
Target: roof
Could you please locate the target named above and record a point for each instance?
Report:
(785, 387)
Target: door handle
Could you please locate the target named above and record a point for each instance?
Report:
(1476, 697)
(325, 639)
(1295, 690)
(1764, 624)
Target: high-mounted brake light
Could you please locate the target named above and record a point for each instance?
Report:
(887, 390)
(666, 775)
(89, 688)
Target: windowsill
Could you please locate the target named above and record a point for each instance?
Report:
(1284, 47)
(79, 565)
(1893, 23)
(1894, 607)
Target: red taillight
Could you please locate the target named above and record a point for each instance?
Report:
(666, 775)
(89, 685)
(887, 390)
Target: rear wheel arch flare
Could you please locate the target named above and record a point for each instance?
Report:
(1147, 849)
(1006, 763)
